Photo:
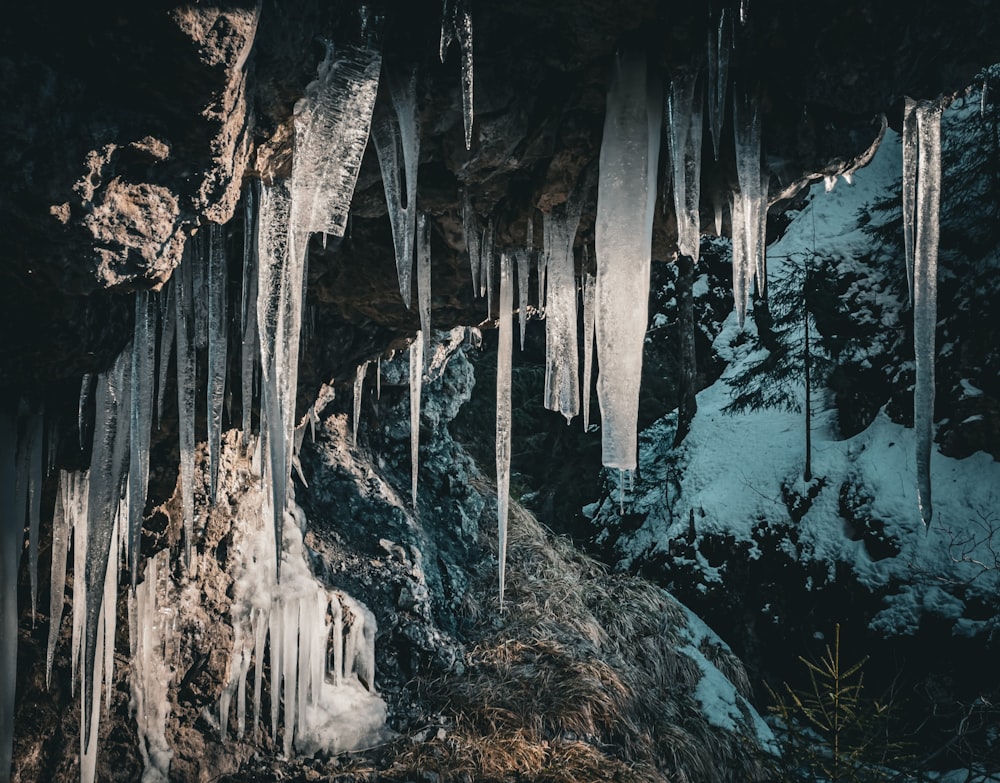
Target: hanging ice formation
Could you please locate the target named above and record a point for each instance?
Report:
(250, 349)
(186, 385)
(424, 273)
(168, 333)
(562, 364)
(747, 203)
(396, 134)
(141, 403)
(720, 43)
(359, 385)
(503, 413)
(11, 536)
(924, 226)
(456, 23)
(909, 185)
(416, 379)
(625, 202)
(470, 226)
(684, 129)
(29, 477)
(218, 339)
(486, 267)
(523, 271)
(589, 286)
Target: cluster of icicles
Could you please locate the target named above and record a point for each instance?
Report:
(103, 508)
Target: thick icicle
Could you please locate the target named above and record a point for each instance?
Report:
(186, 385)
(743, 271)
(11, 536)
(684, 120)
(416, 378)
(909, 185)
(359, 384)
(396, 133)
(79, 495)
(424, 272)
(86, 384)
(747, 224)
(562, 382)
(168, 331)
(218, 342)
(928, 203)
(331, 131)
(250, 350)
(61, 517)
(503, 413)
(486, 267)
(33, 456)
(141, 398)
(625, 202)
(456, 23)
(589, 290)
(523, 272)
(720, 43)
(470, 225)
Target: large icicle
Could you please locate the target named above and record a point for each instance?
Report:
(684, 119)
(416, 378)
(396, 133)
(359, 385)
(743, 270)
(589, 290)
(523, 272)
(470, 225)
(86, 385)
(331, 131)
(168, 331)
(11, 536)
(928, 204)
(625, 200)
(141, 398)
(218, 344)
(79, 493)
(186, 385)
(424, 272)
(909, 185)
(747, 224)
(503, 413)
(720, 42)
(456, 23)
(61, 520)
(250, 350)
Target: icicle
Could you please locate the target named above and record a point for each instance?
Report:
(589, 290)
(625, 202)
(332, 122)
(359, 383)
(11, 536)
(250, 350)
(143, 368)
(720, 43)
(186, 385)
(486, 267)
(562, 382)
(424, 273)
(416, 377)
(503, 413)
(744, 11)
(79, 508)
(760, 251)
(110, 604)
(717, 206)
(218, 340)
(523, 272)
(542, 262)
(928, 204)
(396, 134)
(378, 379)
(747, 223)
(471, 228)
(168, 331)
(684, 121)
(33, 458)
(57, 574)
(456, 22)
(86, 383)
(909, 185)
(198, 268)
(743, 272)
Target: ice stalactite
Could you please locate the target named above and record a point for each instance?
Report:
(79, 493)
(743, 272)
(456, 24)
(218, 343)
(378, 378)
(562, 362)
(168, 333)
(332, 123)
(11, 537)
(925, 252)
(745, 206)
(61, 521)
(86, 386)
(151, 617)
(416, 381)
(523, 257)
(486, 267)
(541, 264)
(685, 132)
(589, 289)
(396, 133)
(359, 386)
(625, 202)
(141, 404)
(720, 43)
(250, 350)
(760, 251)
(503, 413)
(424, 272)
(910, 142)
(186, 385)
(31, 454)
(108, 468)
(470, 226)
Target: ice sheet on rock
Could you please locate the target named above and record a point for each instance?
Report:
(11, 536)
(416, 378)
(168, 331)
(504, 413)
(456, 23)
(218, 344)
(396, 134)
(470, 225)
(925, 252)
(186, 385)
(141, 405)
(625, 202)
(685, 131)
(589, 291)
(910, 153)
(424, 272)
(359, 385)
(720, 44)
(332, 123)
(523, 275)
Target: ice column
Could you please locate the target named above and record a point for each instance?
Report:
(746, 217)
(625, 200)
(424, 273)
(143, 373)
(503, 413)
(684, 119)
(186, 385)
(218, 341)
(589, 289)
(396, 134)
(456, 23)
(416, 378)
(928, 203)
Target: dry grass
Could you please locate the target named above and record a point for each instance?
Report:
(581, 680)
